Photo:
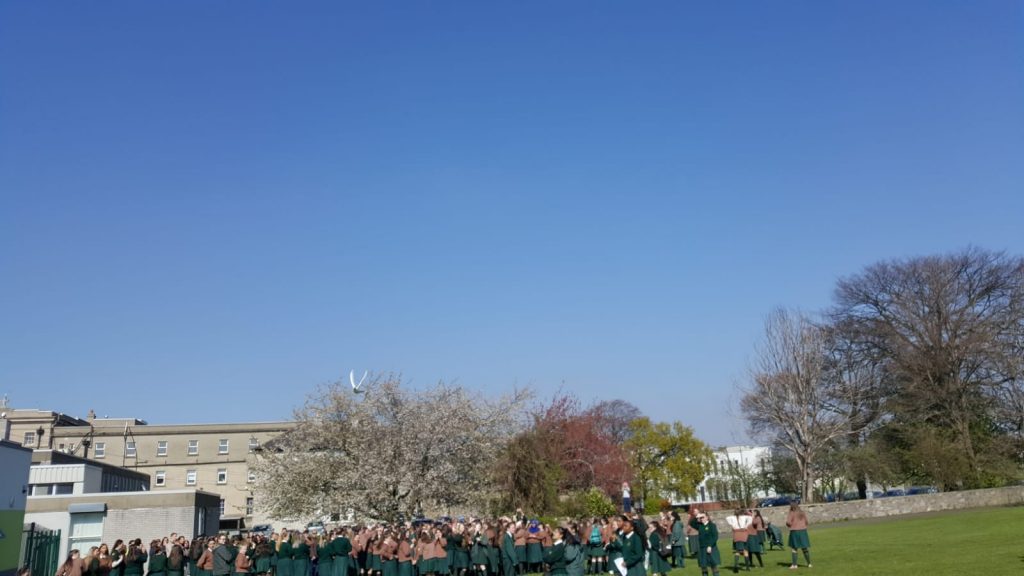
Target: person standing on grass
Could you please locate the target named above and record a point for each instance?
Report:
(755, 540)
(692, 534)
(796, 521)
(707, 537)
(678, 541)
(740, 523)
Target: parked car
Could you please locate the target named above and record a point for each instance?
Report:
(265, 530)
(922, 490)
(782, 500)
(894, 492)
(316, 527)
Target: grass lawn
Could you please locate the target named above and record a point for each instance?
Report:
(986, 541)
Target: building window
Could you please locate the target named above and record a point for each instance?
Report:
(193, 447)
(222, 475)
(100, 449)
(30, 439)
(190, 478)
(221, 506)
(129, 449)
(62, 489)
(161, 448)
(251, 477)
(248, 506)
(60, 447)
(160, 478)
(254, 444)
(222, 448)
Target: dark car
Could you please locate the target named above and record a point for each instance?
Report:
(894, 492)
(783, 500)
(265, 530)
(922, 490)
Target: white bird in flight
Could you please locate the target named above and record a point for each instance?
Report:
(357, 388)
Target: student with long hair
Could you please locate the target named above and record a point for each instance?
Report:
(660, 549)
(575, 552)
(72, 566)
(677, 538)
(740, 523)
(135, 559)
(117, 554)
(554, 556)
(796, 521)
(755, 541)
(157, 559)
(692, 534)
(285, 552)
(176, 561)
(106, 561)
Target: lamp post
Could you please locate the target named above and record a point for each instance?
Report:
(39, 436)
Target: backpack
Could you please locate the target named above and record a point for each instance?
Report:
(595, 535)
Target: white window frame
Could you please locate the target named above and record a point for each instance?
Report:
(161, 447)
(222, 475)
(29, 439)
(99, 450)
(250, 477)
(160, 478)
(131, 449)
(222, 507)
(193, 448)
(254, 444)
(250, 505)
(223, 446)
(191, 477)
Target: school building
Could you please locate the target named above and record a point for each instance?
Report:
(211, 458)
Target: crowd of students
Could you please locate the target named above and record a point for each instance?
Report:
(623, 545)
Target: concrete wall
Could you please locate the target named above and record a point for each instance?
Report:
(894, 506)
(145, 515)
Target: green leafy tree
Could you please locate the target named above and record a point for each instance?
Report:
(666, 458)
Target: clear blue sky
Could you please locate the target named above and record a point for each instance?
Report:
(208, 208)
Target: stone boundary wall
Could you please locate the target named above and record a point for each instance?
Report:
(892, 506)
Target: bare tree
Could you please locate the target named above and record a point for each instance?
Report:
(386, 452)
(949, 330)
(792, 394)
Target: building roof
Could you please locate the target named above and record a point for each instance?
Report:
(151, 429)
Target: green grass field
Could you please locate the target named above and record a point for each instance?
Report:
(971, 542)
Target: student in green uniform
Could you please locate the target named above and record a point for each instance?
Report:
(262, 559)
(632, 549)
(677, 539)
(157, 559)
(300, 557)
(325, 555)
(796, 520)
(341, 547)
(554, 557)
(707, 534)
(285, 552)
(508, 551)
(613, 548)
(575, 554)
(755, 544)
(135, 558)
(176, 561)
(117, 554)
(660, 550)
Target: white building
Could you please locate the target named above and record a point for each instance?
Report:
(733, 472)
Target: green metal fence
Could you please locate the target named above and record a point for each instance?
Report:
(40, 548)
